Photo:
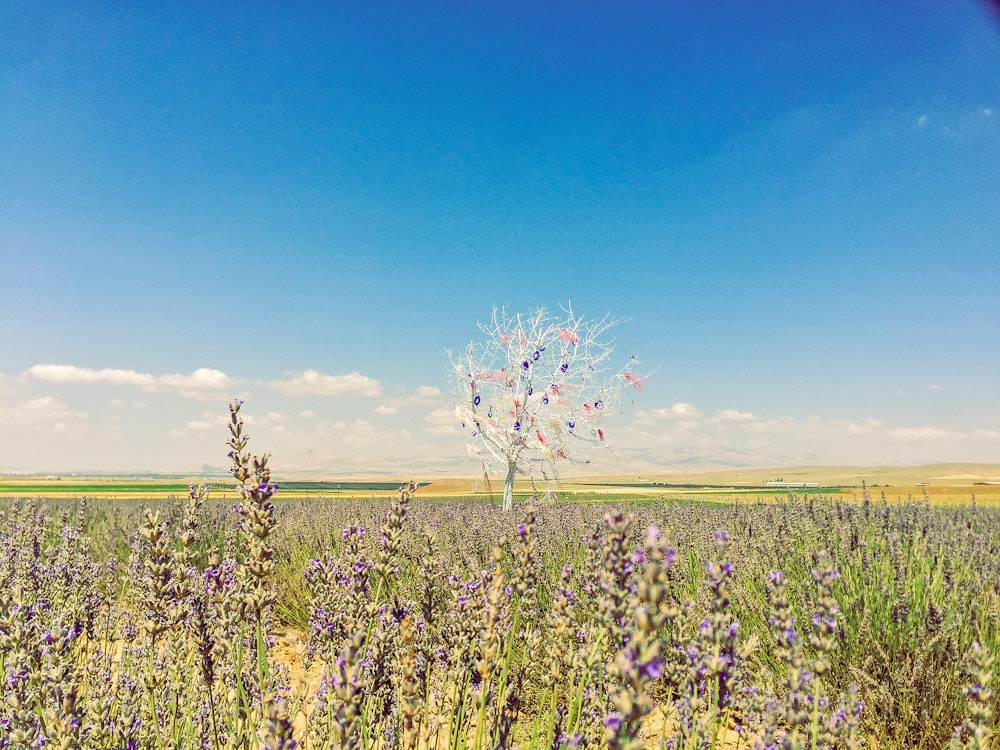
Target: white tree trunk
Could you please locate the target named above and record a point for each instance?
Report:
(508, 487)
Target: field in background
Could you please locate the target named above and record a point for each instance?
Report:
(944, 483)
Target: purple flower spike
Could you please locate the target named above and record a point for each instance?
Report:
(653, 669)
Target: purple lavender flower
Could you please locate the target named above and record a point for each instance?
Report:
(653, 669)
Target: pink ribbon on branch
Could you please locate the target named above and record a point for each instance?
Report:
(568, 335)
(637, 381)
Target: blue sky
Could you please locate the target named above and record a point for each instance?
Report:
(794, 207)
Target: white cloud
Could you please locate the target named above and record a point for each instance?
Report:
(442, 421)
(73, 374)
(424, 396)
(45, 410)
(923, 433)
(204, 382)
(199, 383)
(361, 432)
(314, 383)
(679, 409)
(209, 420)
(865, 428)
(988, 111)
(353, 432)
(417, 428)
(739, 438)
(120, 403)
(732, 415)
(934, 387)
(921, 121)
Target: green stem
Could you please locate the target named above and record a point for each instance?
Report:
(263, 673)
(242, 701)
(505, 668)
(152, 696)
(814, 720)
(481, 718)
(576, 704)
(550, 734)
(366, 708)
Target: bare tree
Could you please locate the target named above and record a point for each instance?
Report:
(535, 392)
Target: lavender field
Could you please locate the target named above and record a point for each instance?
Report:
(804, 622)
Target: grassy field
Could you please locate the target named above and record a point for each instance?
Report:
(945, 484)
(800, 620)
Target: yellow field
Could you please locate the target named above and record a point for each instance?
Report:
(944, 483)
